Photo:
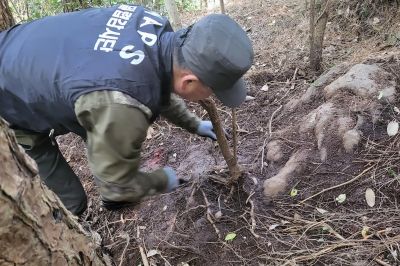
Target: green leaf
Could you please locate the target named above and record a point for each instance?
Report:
(380, 95)
(320, 240)
(324, 228)
(390, 171)
(293, 192)
(230, 236)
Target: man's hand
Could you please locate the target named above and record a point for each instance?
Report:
(206, 129)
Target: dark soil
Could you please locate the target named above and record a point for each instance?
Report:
(285, 230)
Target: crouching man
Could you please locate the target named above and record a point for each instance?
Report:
(106, 74)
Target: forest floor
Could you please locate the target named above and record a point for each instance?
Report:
(305, 224)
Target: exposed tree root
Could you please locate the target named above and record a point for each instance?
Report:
(209, 214)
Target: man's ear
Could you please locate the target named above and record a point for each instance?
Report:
(187, 79)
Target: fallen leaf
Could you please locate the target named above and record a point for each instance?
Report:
(380, 95)
(272, 227)
(321, 211)
(392, 128)
(152, 253)
(364, 231)
(218, 214)
(320, 240)
(293, 192)
(272, 23)
(150, 132)
(249, 98)
(230, 236)
(341, 198)
(370, 197)
(297, 216)
(264, 88)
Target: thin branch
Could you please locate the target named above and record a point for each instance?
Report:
(126, 236)
(270, 120)
(234, 129)
(209, 214)
(345, 183)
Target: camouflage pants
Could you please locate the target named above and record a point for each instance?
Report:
(54, 169)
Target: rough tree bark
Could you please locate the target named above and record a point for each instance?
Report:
(312, 32)
(172, 10)
(35, 227)
(317, 32)
(230, 158)
(6, 17)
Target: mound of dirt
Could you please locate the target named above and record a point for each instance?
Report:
(333, 128)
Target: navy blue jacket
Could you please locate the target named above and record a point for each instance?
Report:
(46, 64)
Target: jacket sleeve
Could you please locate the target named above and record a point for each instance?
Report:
(116, 130)
(177, 113)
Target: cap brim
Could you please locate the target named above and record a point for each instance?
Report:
(234, 96)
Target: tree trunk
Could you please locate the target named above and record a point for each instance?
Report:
(6, 17)
(35, 227)
(317, 32)
(74, 5)
(222, 5)
(319, 39)
(203, 4)
(172, 10)
(312, 31)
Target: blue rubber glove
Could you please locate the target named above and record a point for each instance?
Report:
(173, 180)
(206, 129)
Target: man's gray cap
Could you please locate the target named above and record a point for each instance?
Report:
(219, 52)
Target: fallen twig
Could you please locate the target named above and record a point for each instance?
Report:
(142, 253)
(209, 214)
(345, 183)
(270, 120)
(234, 140)
(253, 220)
(126, 236)
(381, 262)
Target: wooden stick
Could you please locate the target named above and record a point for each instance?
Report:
(253, 220)
(126, 236)
(381, 262)
(270, 120)
(235, 169)
(209, 214)
(345, 183)
(234, 134)
(142, 253)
